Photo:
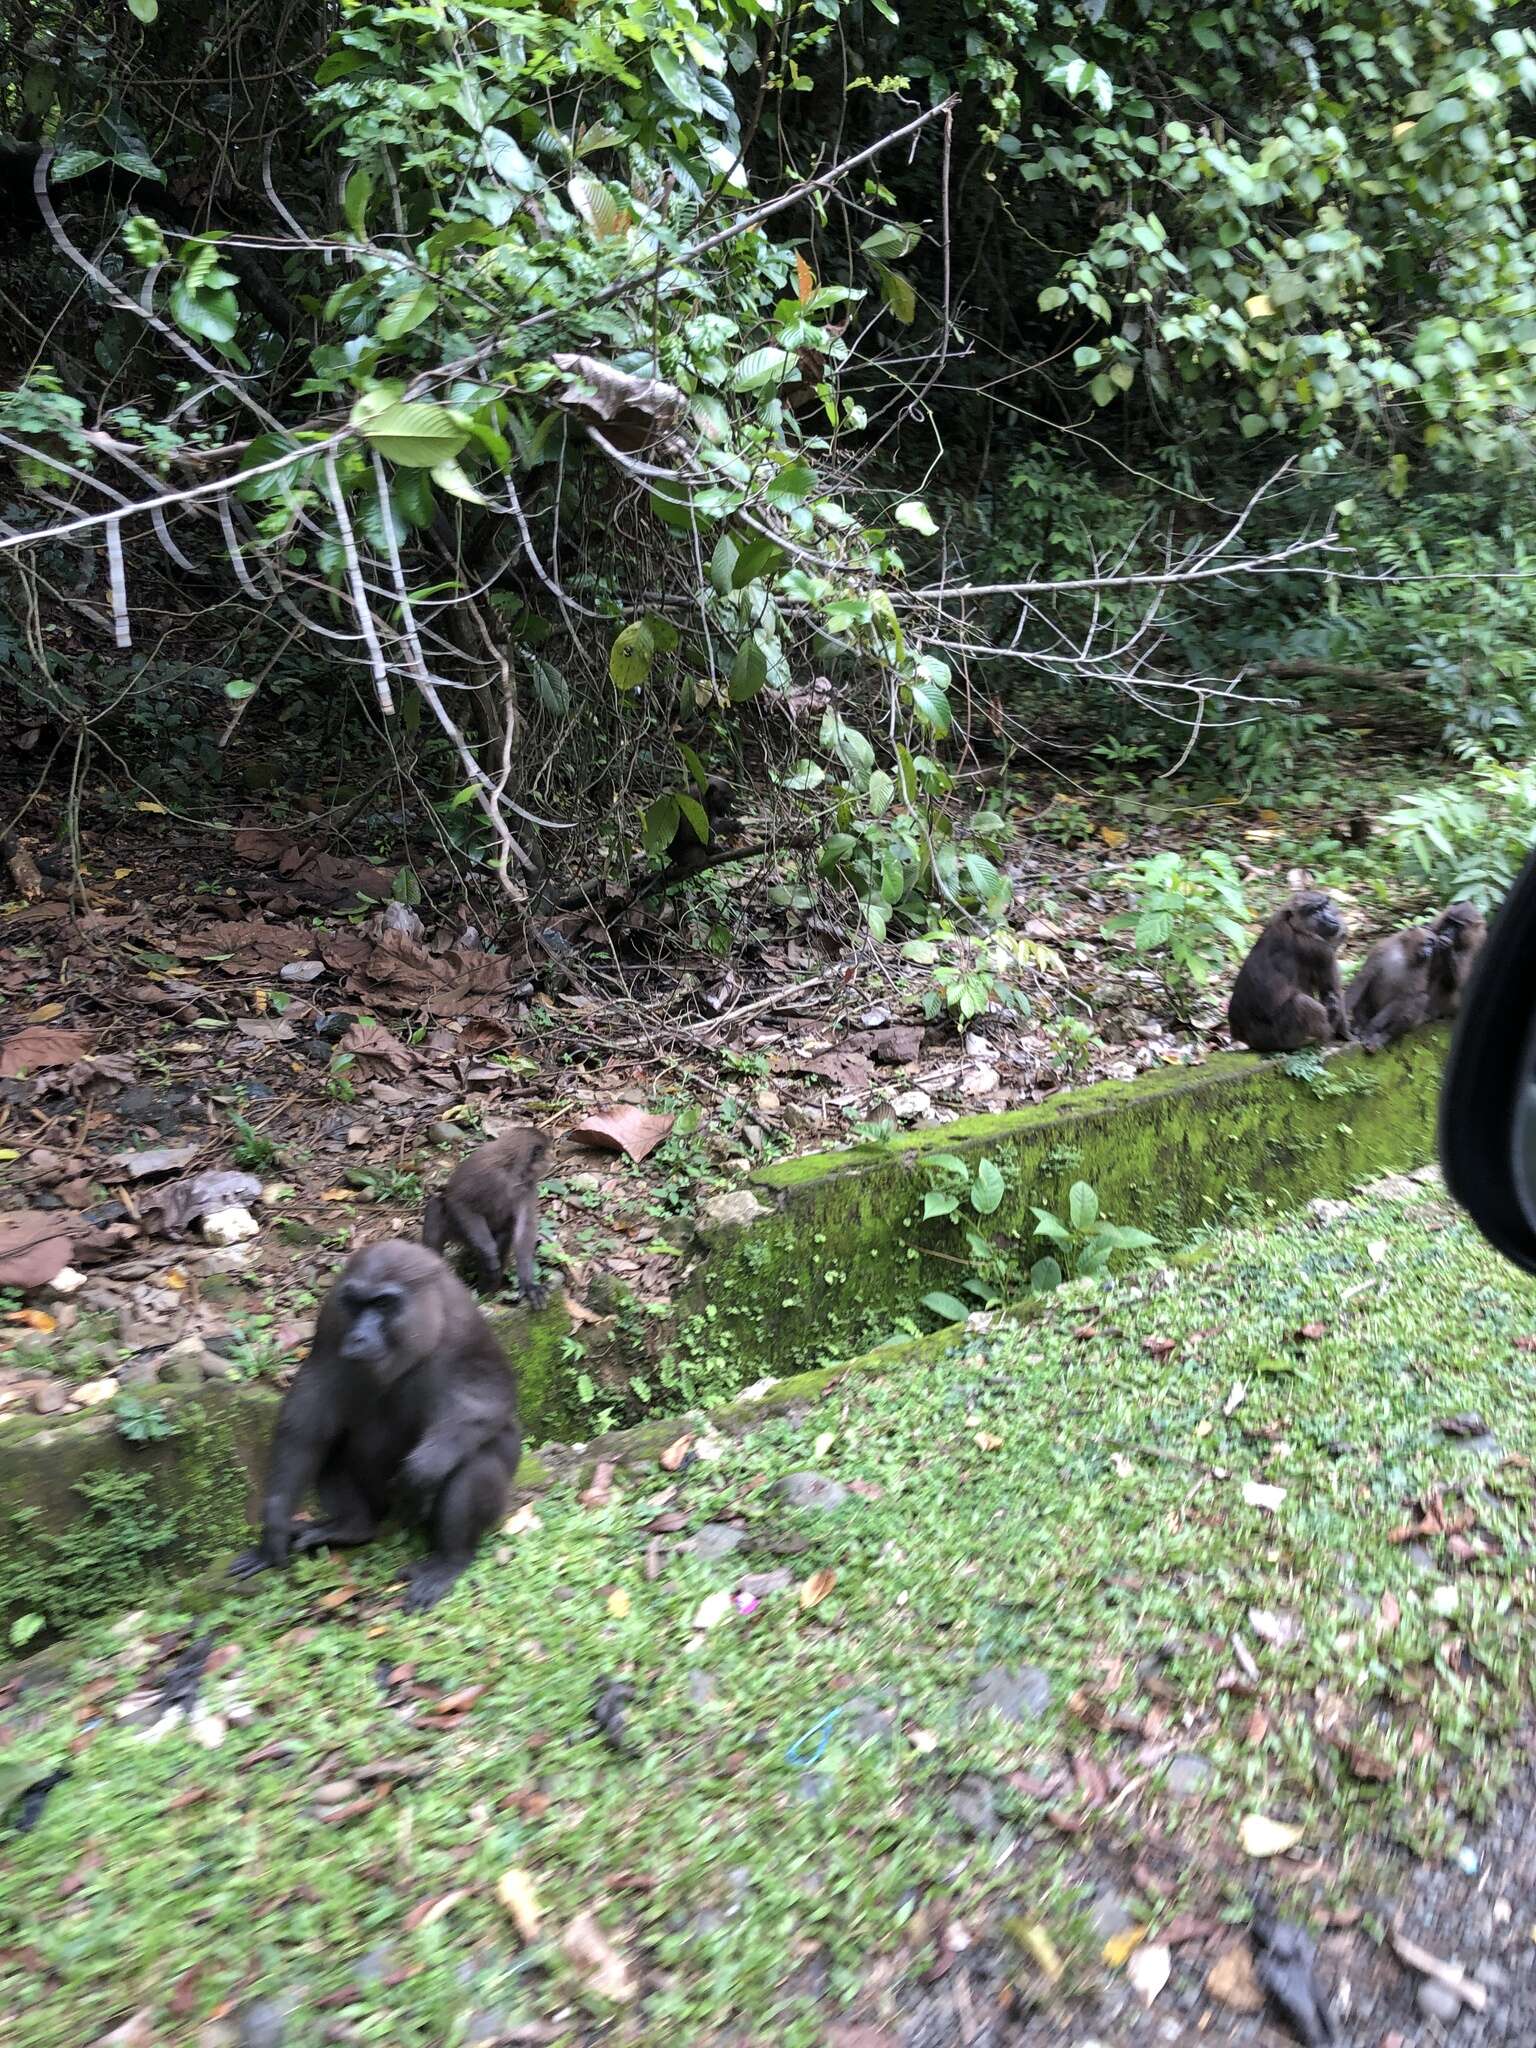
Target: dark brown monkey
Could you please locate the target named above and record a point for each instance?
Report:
(491, 1207)
(1459, 934)
(1287, 991)
(404, 1401)
(1390, 996)
(688, 851)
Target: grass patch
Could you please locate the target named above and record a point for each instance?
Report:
(809, 1802)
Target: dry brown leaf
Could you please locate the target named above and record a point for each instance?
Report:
(35, 1246)
(430, 1911)
(1261, 1836)
(817, 1587)
(625, 1129)
(40, 1047)
(986, 1441)
(520, 1902)
(1390, 1614)
(1231, 1982)
(671, 1459)
(1157, 1347)
(34, 1319)
(597, 1492)
(373, 1042)
(1148, 1970)
(593, 1955)
(1365, 1764)
(1312, 1331)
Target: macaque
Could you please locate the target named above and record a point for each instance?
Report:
(1287, 992)
(1390, 995)
(688, 850)
(1459, 934)
(491, 1207)
(405, 1402)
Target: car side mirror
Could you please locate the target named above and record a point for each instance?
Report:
(1488, 1097)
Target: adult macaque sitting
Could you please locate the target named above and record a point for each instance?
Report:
(1287, 992)
(405, 1402)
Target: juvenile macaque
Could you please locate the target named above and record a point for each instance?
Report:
(406, 1402)
(1459, 934)
(491, 1207)
(688, 850)
(1391, 994)
(1287, 991)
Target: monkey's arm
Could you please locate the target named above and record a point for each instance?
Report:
(466, 1423)
(525, 1238)
(307, 1428)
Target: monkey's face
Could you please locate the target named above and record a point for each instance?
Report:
(1460, 927)
(1314, 912)
(374, 1316)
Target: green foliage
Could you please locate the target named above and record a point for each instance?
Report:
(1189, 916)
(252, 1149)
(141, 1421)
(1085, 1242)
(958, 1187)
(1470, 839)
(976, 972)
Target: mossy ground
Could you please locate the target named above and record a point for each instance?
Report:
(1067, 1494)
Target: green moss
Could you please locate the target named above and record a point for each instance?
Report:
(847, 1256)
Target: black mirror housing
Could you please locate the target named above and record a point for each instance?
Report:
(1488, 1098)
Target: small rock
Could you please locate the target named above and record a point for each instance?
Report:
(1438, 2001)
(215, 1368)
(1493, 1976)
(724, 1213)
(874, 1017)
(1109, 1915)
(715, 1540)
(91, 1393)
(229, 1226)
(1188, 1776)
(301, 970)
(911, 1104)
(812, 1490)
(980, 1081)
(264, 2024)
(767, 1102)
(184, 1364)
(443, 1133)
(811, 1787)
(66, 1281)
(50, 1400)
(1018, 1694)
(702, 1689)
(866, 1720)
(973, 1803)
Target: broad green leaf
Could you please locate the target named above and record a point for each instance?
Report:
(408, 313)
(949, 1306)
(762, 367)
(988, 1188)
(658, 825)
(450, 478)
(144, 10)
(1045, 1275)
(1053, 296)
(1082, 1205)
(749, 672)
(144, 240)
(409, 431)
(630, 657)
(940, 1202)
(679, 78)
(914, 513)
(238, 689)
(882, 792)
(355, 195)
(211, 316)
(932, 707)
(898, 295)
(697, 816)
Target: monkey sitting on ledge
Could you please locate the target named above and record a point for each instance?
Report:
(1287, 992)
(405, 1402)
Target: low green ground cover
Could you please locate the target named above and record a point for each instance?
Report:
(1264, 1523)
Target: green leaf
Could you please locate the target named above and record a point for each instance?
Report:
(932, 707)
(722, 565)
(355, 196)
(450, 478)
(409, 431)
(211, 316)
(1052, 1227)
(914, 513)
(1053, 296)
(143, 240)
(940, 1202)
(1102, 389)
(1082, 1205)
(949, 1306)
(694, 765)
(762, 367)
(144, 10)
(407, 313)
(631, 655)
(749, 672)
(690, 808)
(658, 825)
(1045, 1275)
(680, 79)
(238, 689)
(898, 295)
(988, 1188)
(882, 792)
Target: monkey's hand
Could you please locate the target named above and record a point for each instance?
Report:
(269, 1555)
(535, 1294)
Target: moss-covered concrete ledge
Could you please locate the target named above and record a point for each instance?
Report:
(838, 1264)
(846, 1257)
